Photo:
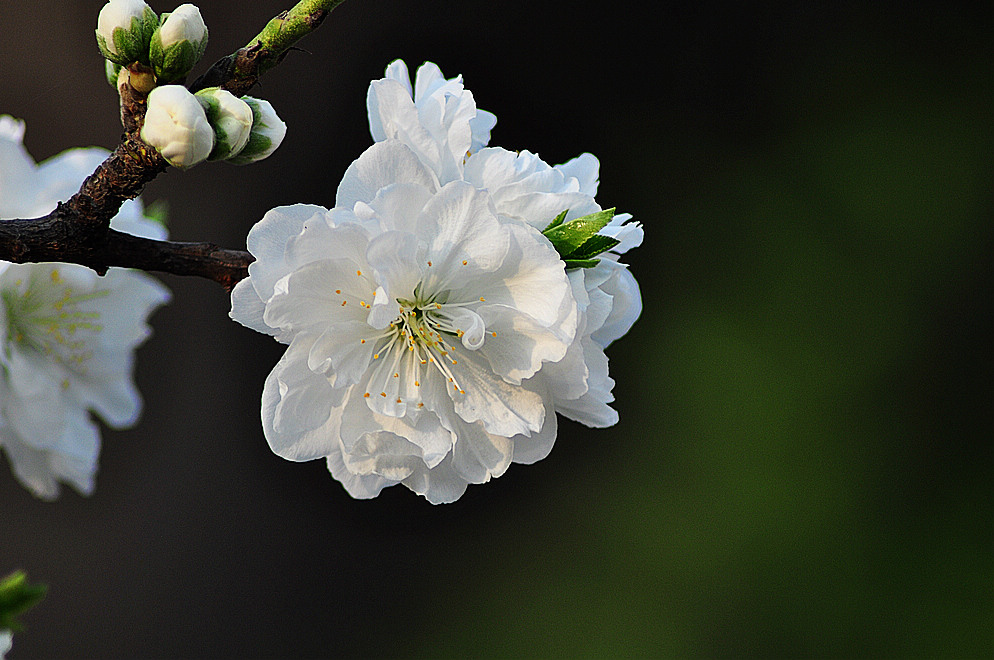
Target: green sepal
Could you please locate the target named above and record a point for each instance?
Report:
(177, 61)
(567, 237)
(558, 220)
(593, 246)
(132, 44)
(128, 42)
(16, 598)
(580, 263)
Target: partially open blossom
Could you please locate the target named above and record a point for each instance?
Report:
(124, 30)
(178, 43)
(231, 119)
(67, 335)
(268, 131)
(176, 125)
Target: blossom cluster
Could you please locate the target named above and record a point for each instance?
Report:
(434, 332)
(67, 335)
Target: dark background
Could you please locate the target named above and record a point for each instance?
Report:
(803, 465)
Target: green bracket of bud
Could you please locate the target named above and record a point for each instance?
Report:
(577, 241)
(131, 44)
(175, 61)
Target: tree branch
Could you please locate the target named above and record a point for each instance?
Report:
(240, 71)
(55, 238)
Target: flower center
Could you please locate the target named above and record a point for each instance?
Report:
(421, 342)
(48, 319)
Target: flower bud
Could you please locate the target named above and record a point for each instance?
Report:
(231, 119)
(124, 30)
(178, 43)
(268, 131)
(175, 124)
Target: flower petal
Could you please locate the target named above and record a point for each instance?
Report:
(267, 242)
(439, 485)
(319, 293)
(381, 165)
(301, 410)
(626, 305)
(503, 408)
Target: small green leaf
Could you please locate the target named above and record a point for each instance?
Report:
(569, 236)
(557, 221)
(16, 598)
(580, 263)
(158, 211)
(595, 245)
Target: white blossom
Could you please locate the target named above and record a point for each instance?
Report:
(67, 335)
(417, 320)
(176, 125)
(523, 188)
(6, 642)
(231, 119)
(524, 359)
(268, 131)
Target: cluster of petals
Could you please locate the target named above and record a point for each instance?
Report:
(67, 335)
(433, 330)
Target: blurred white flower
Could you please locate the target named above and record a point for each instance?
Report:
(417, 321)
(268, 131)
(67, 336)
(176, 125)
(6, 641)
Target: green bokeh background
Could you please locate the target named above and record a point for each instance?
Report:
(804, 462)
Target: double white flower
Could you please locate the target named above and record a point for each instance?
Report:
(67, 336)
(433, 330)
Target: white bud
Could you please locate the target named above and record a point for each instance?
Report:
(124, 29)
(175, 124)
(231, 119)
(184, 24)
(268, 131)
(178, 43)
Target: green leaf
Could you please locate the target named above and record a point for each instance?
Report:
(595, 245)
(569, 236)
(556, 222)
(580, 263)
(16, 598)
